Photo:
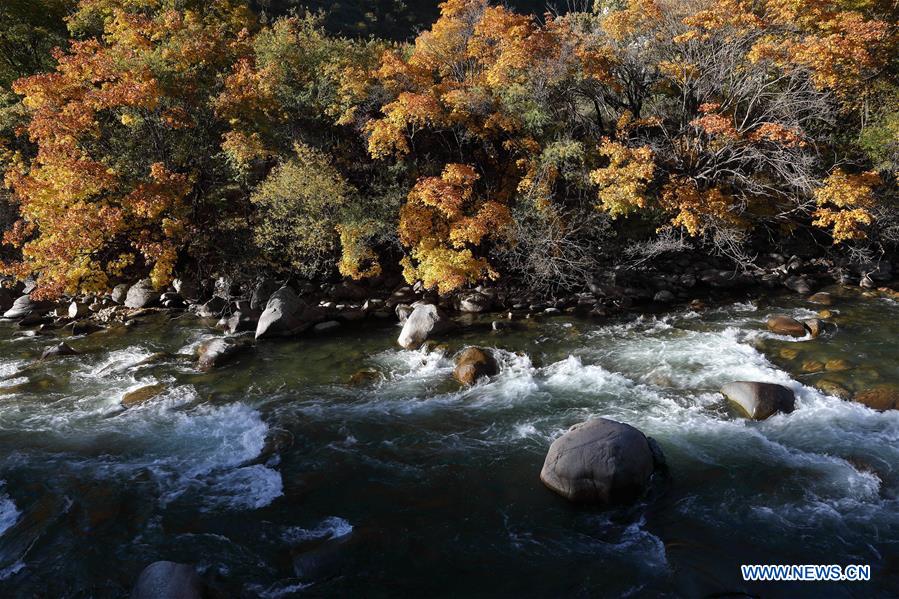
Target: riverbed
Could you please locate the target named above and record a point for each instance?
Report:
(281, 474)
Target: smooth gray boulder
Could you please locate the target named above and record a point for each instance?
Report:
(600, 461)
(425, 320)
(759, 400)
(285, 314)
(141, 295)
(168, 580)
(25, 306)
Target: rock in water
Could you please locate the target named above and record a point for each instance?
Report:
(215, 352)
(62, 349)
(168, 580)
(473, 363)
(141, 295)
(283, 315)
(817, 327)
(142, 394)
(599, 461)
(759, 400)
(821, 298)
(884, 397)
(785, 325)
(424, 320)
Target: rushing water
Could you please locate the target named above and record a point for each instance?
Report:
(276, 476)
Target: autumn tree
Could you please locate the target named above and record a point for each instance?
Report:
(125, 171)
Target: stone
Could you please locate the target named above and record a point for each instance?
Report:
(474, 303)
(759, 400)
(812, 366)
(403, 311)
(186, 289)
(168, 580)
(83, 327)
(785, 325)
(212, 308)
(220, 350)
(425, 320)
(833, 388)
(664, 297)
(599, 461)
(119, 293)
(61, 349)
(825, 314)
(24, 306)
(837, 365)
(141, 295)
(822, 298)
(77, 310)
(261, 294)
(798, 284)
(365, 376)
(142, 394)
(816, 326)
(882, 397)
(285, 314)
(240, 322)
(472, 363)
(789, 353)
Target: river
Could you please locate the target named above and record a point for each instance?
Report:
(278, 477)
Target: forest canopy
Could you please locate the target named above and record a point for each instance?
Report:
(164, 137)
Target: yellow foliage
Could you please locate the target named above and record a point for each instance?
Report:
(622, 184)
(844, 204)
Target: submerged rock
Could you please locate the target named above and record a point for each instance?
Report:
(142, 394)
(786, 325)
(833, 388)
(366, 376)
(168, 580)
(425, 320)
(759, 400)
(215, 352)
(62, 349)
(882, 397)
(600, 461)
(473, 363)
(822, 298)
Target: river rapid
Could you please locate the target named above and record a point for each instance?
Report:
(276, 476)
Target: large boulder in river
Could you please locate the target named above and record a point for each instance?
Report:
(600, 461)
(473, 363)
(285, 314)
(218, 351)
(168, 580)
(786, 325)
(141, 295)
(759, 400)
(425, 320)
